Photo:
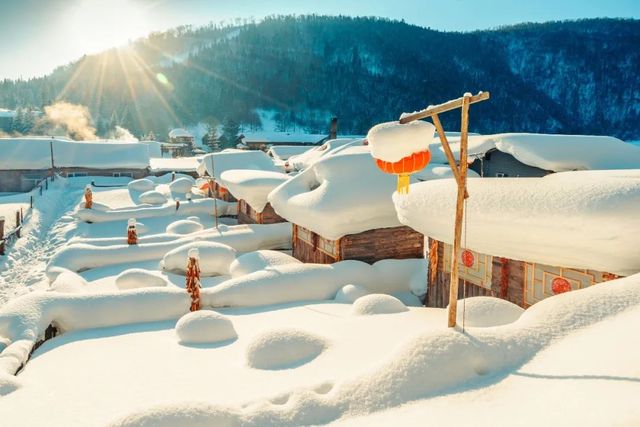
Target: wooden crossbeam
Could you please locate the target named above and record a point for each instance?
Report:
(441, 108)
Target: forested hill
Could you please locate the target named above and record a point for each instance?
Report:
(566, 77)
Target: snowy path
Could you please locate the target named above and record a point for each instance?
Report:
(22, 269)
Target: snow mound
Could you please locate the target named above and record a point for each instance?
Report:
(181, 185)
(378, 304)
(350, 293)
(215, 258)
(409, 299)
(69, 282)
(8, 384)
(141, 185)
(393, 141)
(259, 260)
(204, 326)
(134, 278)
(184, 226)
(487, 311)
(193, 218)
(153, 197)
(284, 349)
(253, 186)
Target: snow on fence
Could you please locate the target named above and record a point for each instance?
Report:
(14, 234)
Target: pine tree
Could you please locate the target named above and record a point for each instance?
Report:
(230, 132)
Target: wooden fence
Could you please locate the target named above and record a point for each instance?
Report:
(14, 234)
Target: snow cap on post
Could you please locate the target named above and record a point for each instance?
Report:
(131, 222)
(193, 253)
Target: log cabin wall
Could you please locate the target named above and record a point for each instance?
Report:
(221, 193)
(519, 282)
(248, 215)
(369, 246)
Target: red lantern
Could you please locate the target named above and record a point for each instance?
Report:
(88, 197)
(405, 167)
(560, 285)
(467, 258)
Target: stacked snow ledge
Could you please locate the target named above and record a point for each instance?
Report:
(586, 219)
(252, 186)
(428, 364)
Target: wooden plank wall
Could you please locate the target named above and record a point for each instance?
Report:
(248, 215)
(306, 252)
(222, 193)
(383, 243)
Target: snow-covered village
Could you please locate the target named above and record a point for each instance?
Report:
(292, 215)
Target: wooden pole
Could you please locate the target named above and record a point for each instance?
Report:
(462, 188)
(1, 235)
(441, 108)
(447, 151)
(333, 132)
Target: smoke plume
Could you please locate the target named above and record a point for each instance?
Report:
(122, 134)
(75, 119)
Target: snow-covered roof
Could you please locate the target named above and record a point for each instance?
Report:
(178, 164)
(584, 219)
(237, 159)
(177, 133)
(273, 137)
(283, 152)
(34, 153)
(304, 160)
(7, 113)
(253, 186)
(340, 194)
(556, 153)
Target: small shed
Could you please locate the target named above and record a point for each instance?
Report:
(214, 164)
(341, 209)
(526, 240)
(25, 161)
(252, 188)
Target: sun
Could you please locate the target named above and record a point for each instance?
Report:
(95, 25)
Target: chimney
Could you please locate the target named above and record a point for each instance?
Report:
(333, 133)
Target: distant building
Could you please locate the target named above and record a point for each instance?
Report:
(181, 138)
(264, 140)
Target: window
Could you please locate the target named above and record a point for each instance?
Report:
(501, 175)
(122, 174)
(76, 174)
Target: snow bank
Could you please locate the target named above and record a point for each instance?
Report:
(259, 260)
(251, 185)
(184, 226)
(341, 194)
(284, 349)
(378, 304)
(141, 185)
(393, 141)
(35, 153)
(204, 327)
(237, 159)
(243, 238)
(215, 258)
(487, 311)
(69, 282)
(153, 197)
(566, 152)
(182, 185)
(350, 293)
(134, 278)
(194, 207)
(586, 219)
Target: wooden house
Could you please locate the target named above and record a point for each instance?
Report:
(528, 239)
(341, 209)
(26, 161)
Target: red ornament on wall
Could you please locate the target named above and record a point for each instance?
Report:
(560, 285)
(467, 258)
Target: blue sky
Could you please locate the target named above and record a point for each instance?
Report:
(38, 35)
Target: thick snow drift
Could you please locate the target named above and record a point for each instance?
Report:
(487, 311)
(153, 197)
(302, 161)
(217, 163)
(253, 186)
(284, 349)
(350, 293)
(181, 185)
(283, 152)
(135, 278)
(204, 327)
(143, 184)
(392, 141)
(215, 258)
(341, 194)
(259, 260)
(184, 226)
(378, 304)
(586, 219)
(35, 153)
(69, 282)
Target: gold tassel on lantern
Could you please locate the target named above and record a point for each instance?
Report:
(403, 183)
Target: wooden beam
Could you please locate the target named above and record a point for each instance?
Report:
(441, 108)
(462, 188)
(447, 151)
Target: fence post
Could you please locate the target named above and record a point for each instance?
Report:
(31, 201)
(21, 216)
(1, 235)
(18, 224)
(46, 184)
(40, 190)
